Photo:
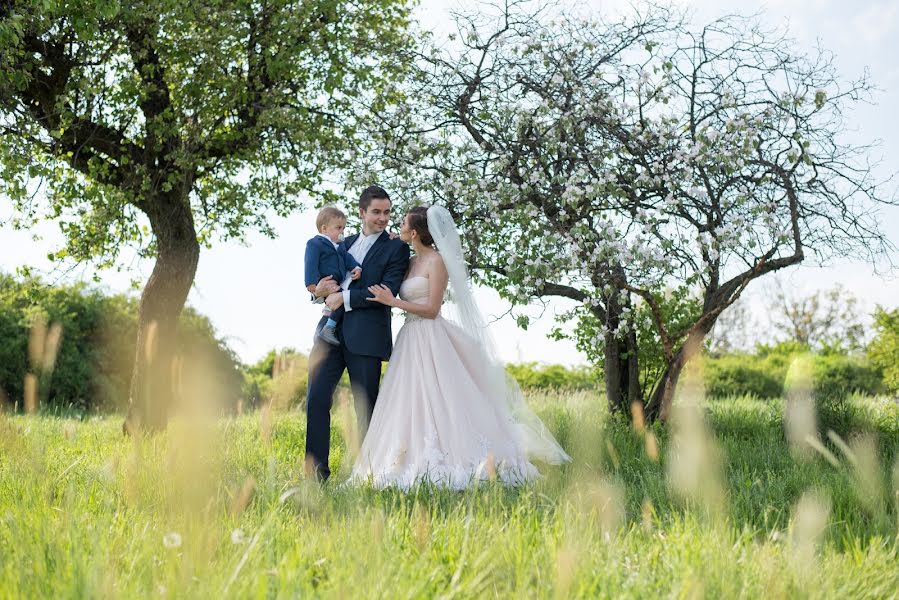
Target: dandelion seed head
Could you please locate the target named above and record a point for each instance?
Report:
(238, 537)
(172, 540)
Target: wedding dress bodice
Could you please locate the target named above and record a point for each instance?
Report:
(415, 289)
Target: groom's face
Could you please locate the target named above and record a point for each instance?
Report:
(376, 216)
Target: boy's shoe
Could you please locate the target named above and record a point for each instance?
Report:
(329, 334)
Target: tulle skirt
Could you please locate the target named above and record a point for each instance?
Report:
(435, 420)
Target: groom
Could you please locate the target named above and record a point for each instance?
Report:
(364, 334)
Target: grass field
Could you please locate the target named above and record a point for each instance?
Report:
(717, 506)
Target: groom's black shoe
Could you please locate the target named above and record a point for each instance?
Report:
(315, 471)
(329, 334)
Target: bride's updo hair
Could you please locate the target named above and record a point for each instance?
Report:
(418, 222)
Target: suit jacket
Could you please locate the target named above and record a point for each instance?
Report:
(366, 328)
(323, 259)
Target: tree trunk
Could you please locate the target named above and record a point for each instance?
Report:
(659, 405)
(163, 298)
(613, 372)
(634, 393)
(620, 362)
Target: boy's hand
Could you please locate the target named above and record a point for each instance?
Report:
(356, 273)
(311, 288)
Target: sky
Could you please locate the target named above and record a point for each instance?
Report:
(253, 292)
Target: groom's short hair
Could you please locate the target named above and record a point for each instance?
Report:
(370, 193)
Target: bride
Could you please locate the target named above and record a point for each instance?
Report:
(447, 413)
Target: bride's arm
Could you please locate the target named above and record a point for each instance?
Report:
(438, 278)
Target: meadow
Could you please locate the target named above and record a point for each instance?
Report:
(720, 504)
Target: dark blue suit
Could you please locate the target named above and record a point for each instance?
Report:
(366, 340)
(323, 259)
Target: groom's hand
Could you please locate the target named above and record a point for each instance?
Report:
(334, 301)
(326, 287)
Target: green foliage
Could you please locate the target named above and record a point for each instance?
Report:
(162, 125)
(235, 108)
(289, 379)
(532, 376)
(835, 377)
(679, 309)
(883, 351)
(743, 375)
(257, 381)
(92, 368)
(281, 378)
(781, 350)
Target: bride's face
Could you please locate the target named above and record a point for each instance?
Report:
(406, 231)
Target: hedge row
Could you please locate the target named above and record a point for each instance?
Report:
(833, 376)
(92, 366)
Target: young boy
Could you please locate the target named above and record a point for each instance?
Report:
(326, 255)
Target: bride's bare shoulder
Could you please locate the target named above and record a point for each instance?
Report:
(436, 263)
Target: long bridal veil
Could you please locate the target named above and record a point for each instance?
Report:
(532, 435)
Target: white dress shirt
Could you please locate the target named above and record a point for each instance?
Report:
(358, 251)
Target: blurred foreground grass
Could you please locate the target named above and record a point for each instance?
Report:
(724, 507)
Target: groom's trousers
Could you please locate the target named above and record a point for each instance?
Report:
(326, 366)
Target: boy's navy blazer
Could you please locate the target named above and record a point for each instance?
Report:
(323, 259)
(366, 328)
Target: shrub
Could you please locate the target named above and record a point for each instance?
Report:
(281, 378)
(290, 380)
(552, 377)
(883, 352)
(92, 370)
(743, 375)
(835, 377)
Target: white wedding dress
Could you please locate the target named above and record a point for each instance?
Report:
(437, 418)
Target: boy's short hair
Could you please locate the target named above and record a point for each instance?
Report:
(328, 214)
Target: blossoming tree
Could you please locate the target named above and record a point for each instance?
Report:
(606, 162)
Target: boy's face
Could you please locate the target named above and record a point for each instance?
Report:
(334, 230)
